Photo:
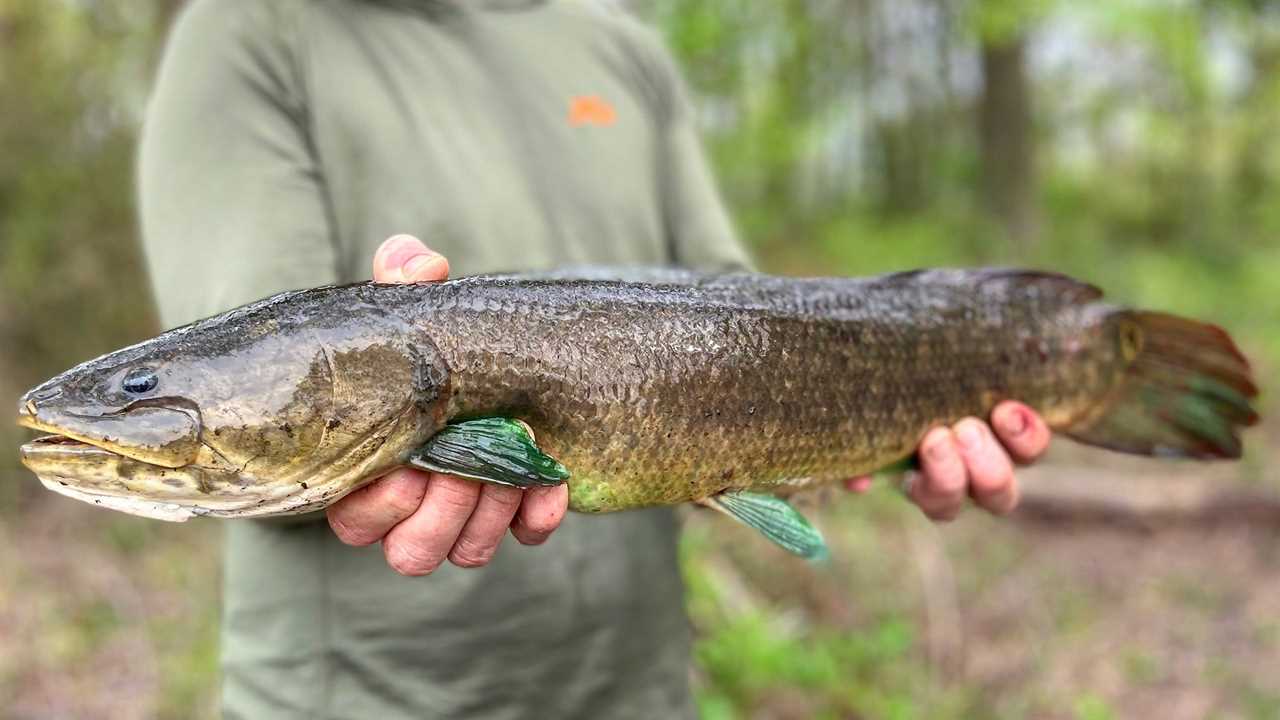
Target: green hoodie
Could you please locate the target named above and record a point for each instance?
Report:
(285, 140)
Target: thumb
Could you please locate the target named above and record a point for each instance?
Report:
(404, 259)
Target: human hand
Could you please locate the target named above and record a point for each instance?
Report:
(967, 459)
(424, 518)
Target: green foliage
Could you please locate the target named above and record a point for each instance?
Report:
(844, 136)
(1001, 20)
(1260, 703)
(759, 658)
(749, 661)
(1092, 707)
(71, 284)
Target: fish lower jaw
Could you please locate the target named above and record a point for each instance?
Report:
(185, 508)
(228, 500)
(102, 478)
(156, 510)
(59, 445)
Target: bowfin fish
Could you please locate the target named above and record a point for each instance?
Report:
(662, 388)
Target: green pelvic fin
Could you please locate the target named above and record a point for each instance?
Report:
(775, 518)
(497, 450)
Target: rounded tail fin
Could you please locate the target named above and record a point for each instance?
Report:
(1187, 392)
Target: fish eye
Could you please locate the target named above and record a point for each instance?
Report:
(139, 381)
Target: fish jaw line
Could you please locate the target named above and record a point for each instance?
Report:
(171, 512)
(64, 480)
(66, 465)
(53, 459)
(57, 447)
(34, 423)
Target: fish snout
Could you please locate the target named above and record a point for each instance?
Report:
(26, 409)
(29, 404)
(169, 437)
(165, 436)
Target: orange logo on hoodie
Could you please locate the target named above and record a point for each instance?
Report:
(591, 110)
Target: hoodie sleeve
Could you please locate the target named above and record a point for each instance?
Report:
(232, 206)
(699, 231)
(698, 226)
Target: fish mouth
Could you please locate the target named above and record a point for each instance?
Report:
(103, 477)
(172, 442)
(103, 473)
(63, 447)
(54, 459)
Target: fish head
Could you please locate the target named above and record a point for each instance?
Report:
(247, 414)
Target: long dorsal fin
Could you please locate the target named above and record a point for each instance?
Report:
(775, 519)
(497, 450)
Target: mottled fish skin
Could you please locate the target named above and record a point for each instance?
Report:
(664, 387)
(663, 393)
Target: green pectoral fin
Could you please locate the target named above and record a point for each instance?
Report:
(497, 450)
(775, 518)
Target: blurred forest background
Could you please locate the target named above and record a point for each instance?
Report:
(1130, 142)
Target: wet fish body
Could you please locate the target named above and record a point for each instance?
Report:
(666, 388)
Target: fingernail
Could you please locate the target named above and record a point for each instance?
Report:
(399, 249)
(1014, 423)
(416, 263)
(969, 435)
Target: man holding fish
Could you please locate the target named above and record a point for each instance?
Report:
(283, 142)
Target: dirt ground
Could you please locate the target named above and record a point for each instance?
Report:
(1043, 616)
(1121, 589)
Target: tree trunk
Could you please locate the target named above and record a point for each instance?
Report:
(1008, 164)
